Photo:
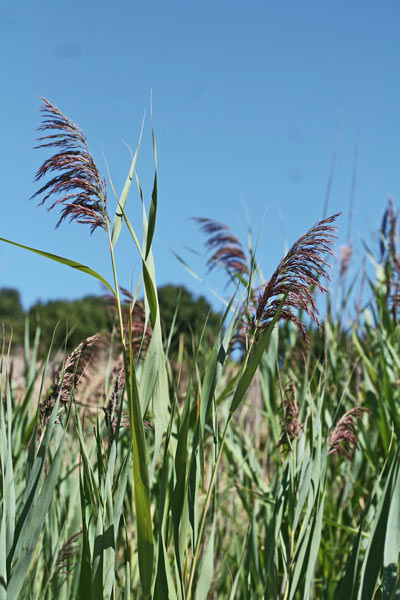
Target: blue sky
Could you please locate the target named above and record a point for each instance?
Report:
(247, 98)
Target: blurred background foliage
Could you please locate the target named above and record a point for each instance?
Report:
(84, 317)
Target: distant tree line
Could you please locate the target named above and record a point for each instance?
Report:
(69, 322)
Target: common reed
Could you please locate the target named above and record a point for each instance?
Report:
(343, 437)
(290, 424)
(195, 505)
(70, 375)
(76, 182)
(296, 276)
(225, 248)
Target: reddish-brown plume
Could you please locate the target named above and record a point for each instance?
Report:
(226, 249)
(69, 376)
(75, 180)
(291, 426)
(67, 555)
(113, 409)
(343, 437)
(297, 275)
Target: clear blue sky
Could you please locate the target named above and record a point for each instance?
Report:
(247, 97)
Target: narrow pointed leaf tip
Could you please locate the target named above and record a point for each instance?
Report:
(75, 182)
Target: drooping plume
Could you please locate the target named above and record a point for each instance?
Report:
(226, 249)
(343, 437)
(69, 376)
(67, 555)
(75, 182)
(297, 274)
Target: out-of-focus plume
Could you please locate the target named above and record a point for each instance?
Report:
(69, 376)
(226, 250)
(343, 437)
(290, 424)
(113, 412)
(346, 252)
(67, 555)
(141, 330)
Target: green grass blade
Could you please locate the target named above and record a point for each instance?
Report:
(127, 592)
(64, 261)
(313, 551)
(392, 544)
(141, 486)
(119, 213)
(375, 550)
(33, 525)
(153, 203)
(207, 567)
(251, 368)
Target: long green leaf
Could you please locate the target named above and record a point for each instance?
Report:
(374, 553)
(141, 485)
(119, 213)
(33, 525)
(64, 261)
(392, 543)
(251, 368)
(153, 203)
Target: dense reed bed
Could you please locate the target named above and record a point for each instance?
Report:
(264, 463)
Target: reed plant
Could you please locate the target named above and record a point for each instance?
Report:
(264, 463)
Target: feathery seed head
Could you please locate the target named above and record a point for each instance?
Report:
(297, 274)
(69, 376)
(343, 437)
(75, 180)
(226, 248)
(67, 555)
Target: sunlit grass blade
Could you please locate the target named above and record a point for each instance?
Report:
(153, 204)
(141, 485)
(33, 524)
(64, 261)
(374, 554)
(118, 217)
(254, 361)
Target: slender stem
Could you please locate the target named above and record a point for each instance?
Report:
(205, 509)
(117, 296)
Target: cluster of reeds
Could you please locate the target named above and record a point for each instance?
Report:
(155, 495)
